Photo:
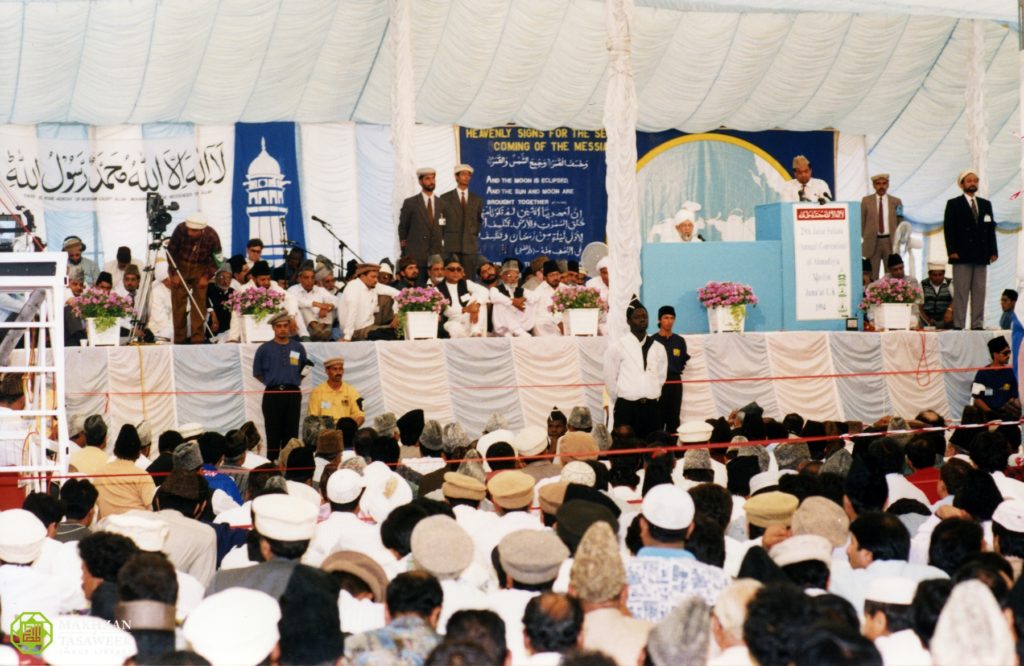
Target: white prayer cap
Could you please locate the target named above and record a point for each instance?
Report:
(964, 174)
(879, 176)
(579, 472)
(344, 486)
(284, 517)
(385, 495)
(425, 171)
(802, 548)
(83, 639)
(304, 492)
(682, 215)
(236, 626)
(668, 506)
(386, 268)
(76, 424)
(891, 590)
(375, 472)
(463, 167)
(486, 441)
(530, 441)
(603, 263)
(1010, 514)
(195, 220)
(149, 534)
(763, 480)
(691, 432)
(936, 266)
(21, 536)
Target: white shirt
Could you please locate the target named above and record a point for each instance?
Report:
(509, 320)
(903, 648)
(852, 584)
(814, 189)
(900, 488)
(454, 312)
(343, 531)
(356, 307)
(161, 313)
(304, 302)
(545, 321)
(624, 373)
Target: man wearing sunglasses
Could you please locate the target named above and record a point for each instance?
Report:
(464, 315)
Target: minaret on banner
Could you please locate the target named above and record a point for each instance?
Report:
(266, 210)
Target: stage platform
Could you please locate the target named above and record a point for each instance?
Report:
(466, 380)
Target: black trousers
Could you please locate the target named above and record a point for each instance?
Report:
(670, 402)
(281, 408)
(642, 415)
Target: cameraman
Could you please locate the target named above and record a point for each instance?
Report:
(194, 246)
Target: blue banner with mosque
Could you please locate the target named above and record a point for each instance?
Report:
(265, 195)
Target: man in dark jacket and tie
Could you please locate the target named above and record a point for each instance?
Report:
(463, 213)
(419, 230)
(970, 230)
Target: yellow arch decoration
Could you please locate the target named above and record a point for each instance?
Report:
(724, 138)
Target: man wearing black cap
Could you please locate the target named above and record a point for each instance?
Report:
(278, 365)
(466, 312)
(634, 373)
(675, 348)
(995, 388)
(116, 266)
(545, 321)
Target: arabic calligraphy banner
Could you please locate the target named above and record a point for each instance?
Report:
(544, 191)
(61, 174)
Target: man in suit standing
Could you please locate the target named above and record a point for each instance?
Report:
(970, 230)
(880, 214)
(419, 221)
(463, 213)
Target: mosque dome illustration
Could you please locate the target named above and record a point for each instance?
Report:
(265, 205)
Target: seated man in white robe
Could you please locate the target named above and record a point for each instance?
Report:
(547, 322)
(464, 315)
(513, 309)
(315, 304)
(161, 315)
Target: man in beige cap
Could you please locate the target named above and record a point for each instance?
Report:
(804, 188)
(937, 308)
(195, 248)
(334, 397)
(880, 214)
(463, 213)
(969, 226)
(285, 524)
(598, 580)
(420, 221)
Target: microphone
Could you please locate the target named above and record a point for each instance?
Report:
(317, 219)
(801, 194)
(825, 196)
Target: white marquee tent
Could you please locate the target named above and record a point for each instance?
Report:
(893, 78)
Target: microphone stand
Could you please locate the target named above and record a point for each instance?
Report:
(342, 245)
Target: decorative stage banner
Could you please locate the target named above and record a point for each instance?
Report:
(69, 174)
(719, 177)
(544, 191)
(821, 251)
(265, 199)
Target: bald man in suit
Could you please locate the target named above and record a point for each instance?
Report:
(880, 214)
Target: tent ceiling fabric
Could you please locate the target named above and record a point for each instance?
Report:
(895, 76)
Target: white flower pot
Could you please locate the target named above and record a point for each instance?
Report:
(581, 321)
(892, 316)
(728, 318)
(420, 325)
(256, 331)
(108, 338)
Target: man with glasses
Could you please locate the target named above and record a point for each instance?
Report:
(253, 252)
(995, 388)
(464, 314)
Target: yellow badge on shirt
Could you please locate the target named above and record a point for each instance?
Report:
(676, 352)
(293, 357)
